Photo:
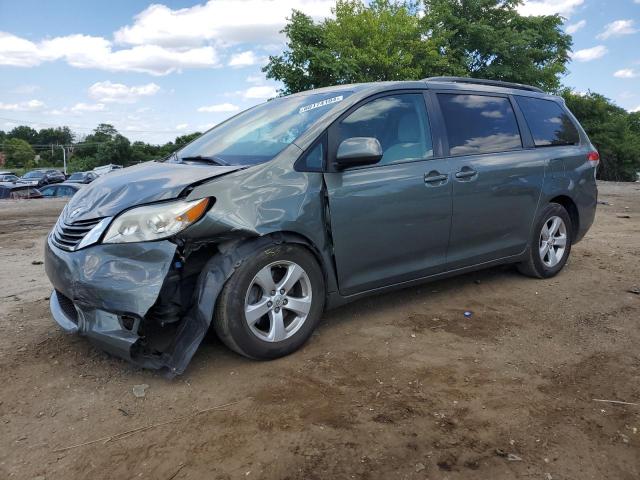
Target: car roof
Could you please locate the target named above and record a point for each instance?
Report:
(449, 83)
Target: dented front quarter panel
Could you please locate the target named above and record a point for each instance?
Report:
(254, 208)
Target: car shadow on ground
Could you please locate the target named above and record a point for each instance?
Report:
(384, 305)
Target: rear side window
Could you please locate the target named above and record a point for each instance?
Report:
(479, 124)
(549, 123)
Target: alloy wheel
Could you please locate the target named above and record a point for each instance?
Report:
(553, 241)
(278, 301)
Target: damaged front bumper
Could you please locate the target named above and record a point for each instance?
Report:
(108, 292)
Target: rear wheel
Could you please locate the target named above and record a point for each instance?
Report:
(550, 244)
(272, 303)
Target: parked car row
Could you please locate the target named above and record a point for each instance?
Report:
(47, 182)
(41, 177)
(48, 176)
(16, 191)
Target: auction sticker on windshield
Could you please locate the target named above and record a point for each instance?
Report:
(322, 103)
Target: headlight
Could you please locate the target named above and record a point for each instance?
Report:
(154, 222)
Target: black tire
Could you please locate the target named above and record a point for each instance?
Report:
(229, 319)
(534, 266)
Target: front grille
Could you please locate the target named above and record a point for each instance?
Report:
(66, 305)
(67, 236)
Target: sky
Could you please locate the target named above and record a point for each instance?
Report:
(159, 70)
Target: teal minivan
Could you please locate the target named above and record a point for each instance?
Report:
(312, 200)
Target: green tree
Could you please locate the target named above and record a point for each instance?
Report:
(490, 39)
(55, 136)
(117, 151)
(18, 153)
(388, 40)
(182, 140)
(102, 135)
(612, 130)
(634, 122)
(25, 133)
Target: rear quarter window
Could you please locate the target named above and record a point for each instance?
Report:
(549, 123)
(479, 124)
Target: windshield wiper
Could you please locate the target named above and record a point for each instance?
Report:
(201, 158)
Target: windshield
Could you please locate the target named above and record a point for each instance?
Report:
(259, 134)
(77, 176)
(34, 175)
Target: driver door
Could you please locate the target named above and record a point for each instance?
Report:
(389, 221)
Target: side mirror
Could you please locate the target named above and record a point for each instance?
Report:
(357, 151)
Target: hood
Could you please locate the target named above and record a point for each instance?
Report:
(147, 182)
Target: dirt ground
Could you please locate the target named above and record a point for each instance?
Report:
(401, 385)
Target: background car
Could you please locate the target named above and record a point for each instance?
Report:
(104, 169)
(60, 190)
(82, 177)
(9, 178)
(41, 177)
(15, 191)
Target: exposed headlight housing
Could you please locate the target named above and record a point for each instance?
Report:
(155, 222)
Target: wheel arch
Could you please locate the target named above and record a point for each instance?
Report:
(572, 209)
(230, 255)
(325, 261)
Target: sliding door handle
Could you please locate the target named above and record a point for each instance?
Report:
(466, 172)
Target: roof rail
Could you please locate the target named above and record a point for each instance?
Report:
(482, 81)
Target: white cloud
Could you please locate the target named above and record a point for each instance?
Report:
(574, 27)
(28, 106)
(617, 29)
(84, 51)
(637, 109)
(549, 7)
(626, 73)
(120, 93)
(17, 52)
(588, 54)
(88, 107)
(228, 21)
(162, 40)
(243, 59)
(182, 126)
(262, 93)
(222, 107)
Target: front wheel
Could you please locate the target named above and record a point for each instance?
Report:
(272, 302)
(550, 244)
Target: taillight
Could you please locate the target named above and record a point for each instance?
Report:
(593, 158)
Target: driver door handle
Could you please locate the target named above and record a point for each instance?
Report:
(434, 177)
